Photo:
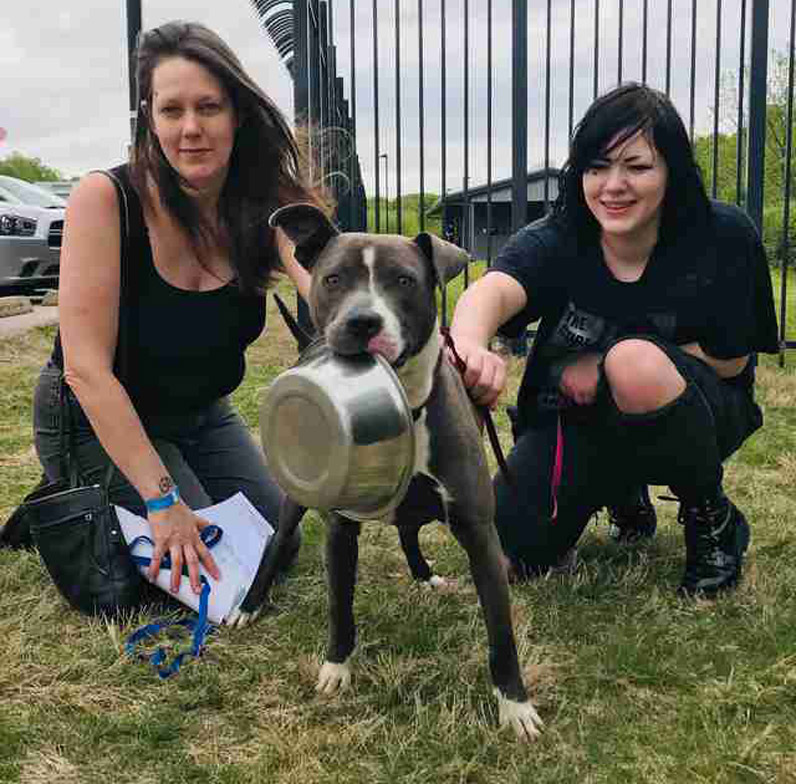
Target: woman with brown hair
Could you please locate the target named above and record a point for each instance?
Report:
(212, 158)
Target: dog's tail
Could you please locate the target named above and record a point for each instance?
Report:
(302, 337)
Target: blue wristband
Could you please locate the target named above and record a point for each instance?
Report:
(163, 501)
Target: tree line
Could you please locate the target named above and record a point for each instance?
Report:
(29, 169)
(725, 175)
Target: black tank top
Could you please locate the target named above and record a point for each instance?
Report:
(185, 349)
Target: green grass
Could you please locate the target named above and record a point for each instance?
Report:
(634, 684)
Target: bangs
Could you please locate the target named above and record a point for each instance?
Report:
(610, 123)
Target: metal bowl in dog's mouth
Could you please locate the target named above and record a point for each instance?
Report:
(338, 433)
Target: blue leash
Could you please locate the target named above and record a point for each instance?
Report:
(199, 626)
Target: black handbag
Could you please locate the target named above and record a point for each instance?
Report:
(79, 539)
(72, 524)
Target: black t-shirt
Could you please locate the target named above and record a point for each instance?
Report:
(709, 285)
(184, 349)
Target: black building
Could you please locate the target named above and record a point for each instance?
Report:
(465, 216)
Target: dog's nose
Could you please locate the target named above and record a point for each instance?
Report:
(364, 323)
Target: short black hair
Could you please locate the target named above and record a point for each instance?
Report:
(612, 119)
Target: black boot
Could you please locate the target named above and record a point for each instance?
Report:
(716, 538)
(633, 520)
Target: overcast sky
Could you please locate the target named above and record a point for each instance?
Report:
(64, 81)
(64, 94)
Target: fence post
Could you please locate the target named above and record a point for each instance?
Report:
(519, 115)
(133, 29)
(758, 73)
(301, 106)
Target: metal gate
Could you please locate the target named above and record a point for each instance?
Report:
(416, 93)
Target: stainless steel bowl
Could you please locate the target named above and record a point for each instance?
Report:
(338, 433)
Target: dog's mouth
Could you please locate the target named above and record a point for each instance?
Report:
(385, 347)
(388, 351)
(348, 339)
(395, 360)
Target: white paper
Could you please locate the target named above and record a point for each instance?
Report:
(245, 534)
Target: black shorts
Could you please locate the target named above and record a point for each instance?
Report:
(731, 402)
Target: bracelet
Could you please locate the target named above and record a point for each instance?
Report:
(163, 501)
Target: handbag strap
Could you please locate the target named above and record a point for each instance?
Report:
(66, 426)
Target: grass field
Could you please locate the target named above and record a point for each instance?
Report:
(634, 683)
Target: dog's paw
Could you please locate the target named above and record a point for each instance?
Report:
(333, 678)
(437, 583)
(521, 716)
(239, 618)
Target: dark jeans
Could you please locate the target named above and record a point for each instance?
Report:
(607, 453)
(210, 454)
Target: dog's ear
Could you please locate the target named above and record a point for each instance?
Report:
(308, 228)
(447, 259)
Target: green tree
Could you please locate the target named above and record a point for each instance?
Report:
(776, 137)
(726, 144)
(28, 169)
(410, 214)
(726, 180)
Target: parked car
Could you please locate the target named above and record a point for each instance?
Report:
(60, 188)
(31, 228)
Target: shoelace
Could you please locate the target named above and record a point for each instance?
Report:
(704, 537)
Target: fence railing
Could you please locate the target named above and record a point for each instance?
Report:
(480, 98)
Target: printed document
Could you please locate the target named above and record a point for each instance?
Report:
(245, 535)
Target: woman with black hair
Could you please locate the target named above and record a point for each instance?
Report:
(653, 302)
(212, 158)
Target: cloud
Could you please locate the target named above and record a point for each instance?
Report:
(605, 41)
(64, 79)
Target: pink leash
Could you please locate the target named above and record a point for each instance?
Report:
(555, 479)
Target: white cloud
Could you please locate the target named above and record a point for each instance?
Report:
(64, 82)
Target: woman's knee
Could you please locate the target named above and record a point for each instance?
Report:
(641, 377)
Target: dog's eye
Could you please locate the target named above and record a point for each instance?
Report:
(330, 281)
(405, 280)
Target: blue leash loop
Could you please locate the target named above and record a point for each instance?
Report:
(199, 626)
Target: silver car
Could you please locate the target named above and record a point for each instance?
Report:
(31, 228)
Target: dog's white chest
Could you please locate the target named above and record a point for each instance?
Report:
(422, 446)
(423, 459)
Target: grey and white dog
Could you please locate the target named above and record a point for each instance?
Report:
(376, 293)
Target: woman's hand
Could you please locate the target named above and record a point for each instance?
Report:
(485, 376)
(491, 301)
(176, 531)
(580, 379)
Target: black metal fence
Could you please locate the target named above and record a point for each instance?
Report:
(450, 100)
(455, 98)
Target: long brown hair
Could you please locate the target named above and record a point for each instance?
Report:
(267, 168)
